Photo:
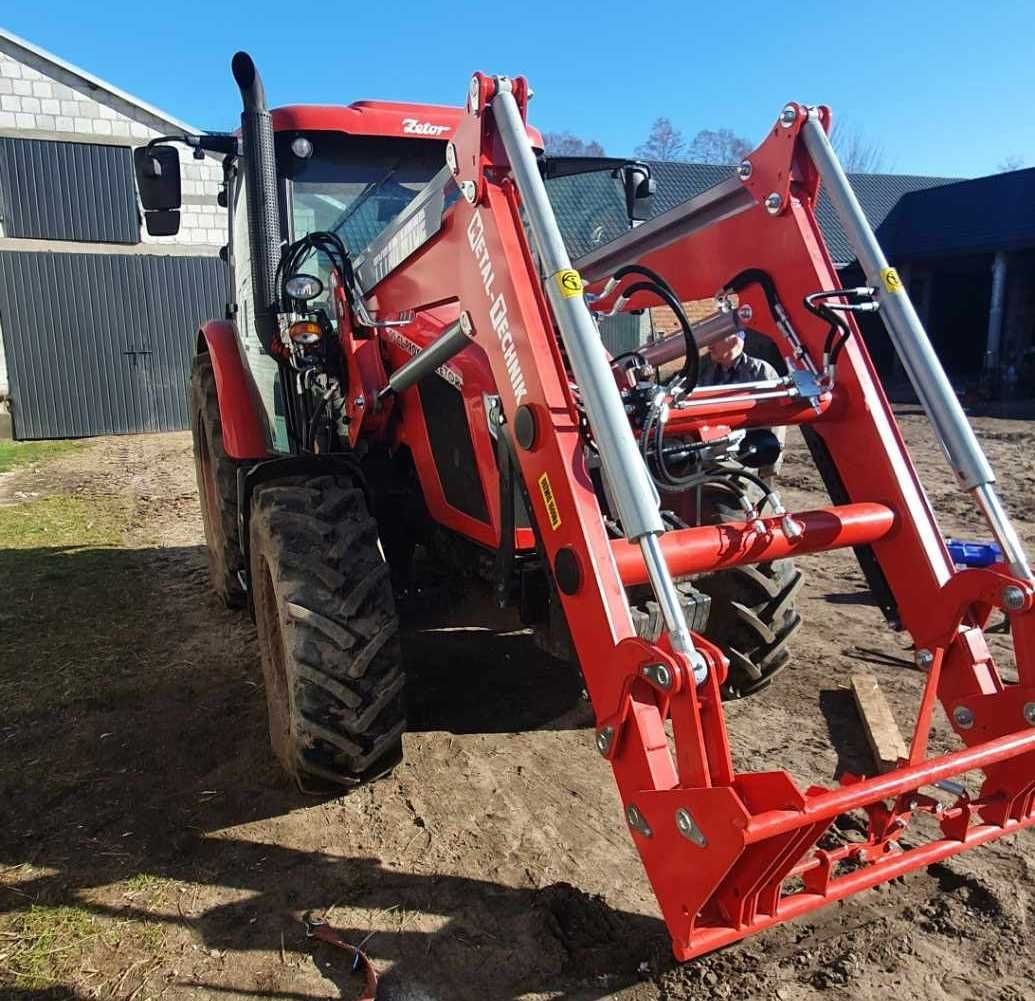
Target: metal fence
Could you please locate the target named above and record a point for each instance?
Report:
(102, 343)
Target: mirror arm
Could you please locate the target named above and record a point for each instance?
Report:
(213, 142)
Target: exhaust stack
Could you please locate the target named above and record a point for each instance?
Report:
(261, 189)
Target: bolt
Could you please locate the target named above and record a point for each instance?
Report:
(686, 826)
(465, 323)
(1029, 713)
(472, 95)
(470, 190)
(924, 659)
(451, 157)
(699, 666)
(964, 717)
(637, 821)
(358, 401)
(659, 674)
(604, 737)
(1013, 598)
(773, 203)
(788, 116)
(744, 170)
(745, 312)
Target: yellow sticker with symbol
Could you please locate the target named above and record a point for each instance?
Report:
(569, 282)
(891, 280)
(550, 502)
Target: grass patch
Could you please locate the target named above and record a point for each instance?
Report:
(61, 522)
(24, 453)
(48, 938)
(145, 888)
(66, 584)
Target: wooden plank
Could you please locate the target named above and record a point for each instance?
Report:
(882, 732)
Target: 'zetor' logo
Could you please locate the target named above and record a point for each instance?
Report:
(414, 128)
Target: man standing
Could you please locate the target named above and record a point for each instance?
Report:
(728, 363)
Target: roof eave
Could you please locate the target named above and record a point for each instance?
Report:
(96, 82)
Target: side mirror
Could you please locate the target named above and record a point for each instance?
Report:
(164, 223)
(639, 190)
(158, 179)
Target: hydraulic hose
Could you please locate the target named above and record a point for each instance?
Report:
(692, 363)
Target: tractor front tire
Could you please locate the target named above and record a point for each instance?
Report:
(752, 617)
(217, 486)
(328, 631)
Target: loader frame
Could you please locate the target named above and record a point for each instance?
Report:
(727, 852)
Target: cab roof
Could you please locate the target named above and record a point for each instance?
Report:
(378, 118)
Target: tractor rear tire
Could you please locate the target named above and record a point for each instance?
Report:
(217, 486)
(328, 631)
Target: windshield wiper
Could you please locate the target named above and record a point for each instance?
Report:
(364, 196)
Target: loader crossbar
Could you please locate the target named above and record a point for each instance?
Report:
(727, 852)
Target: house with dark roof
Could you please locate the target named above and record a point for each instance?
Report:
(966, 250)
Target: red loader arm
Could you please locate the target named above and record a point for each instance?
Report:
(721, 847)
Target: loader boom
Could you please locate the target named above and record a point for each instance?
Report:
(453, 383)
(721, 848)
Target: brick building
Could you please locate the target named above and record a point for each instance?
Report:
(69, 224)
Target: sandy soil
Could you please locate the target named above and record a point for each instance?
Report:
(494, 863)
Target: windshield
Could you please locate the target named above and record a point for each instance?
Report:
(354, 186)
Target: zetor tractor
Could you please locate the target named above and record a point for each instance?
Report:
(411, 380)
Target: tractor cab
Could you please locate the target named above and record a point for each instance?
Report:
(352, 171)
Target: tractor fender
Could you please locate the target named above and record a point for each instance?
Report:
(243, 436)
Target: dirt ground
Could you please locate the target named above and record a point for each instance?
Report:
(149, 846)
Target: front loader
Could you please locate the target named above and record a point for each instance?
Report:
(411, 376)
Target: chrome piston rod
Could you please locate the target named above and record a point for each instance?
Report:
(918, 356)
(630, 485)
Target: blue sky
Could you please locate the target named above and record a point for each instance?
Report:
(945, 88)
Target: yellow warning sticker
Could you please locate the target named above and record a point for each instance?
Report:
(550, 502)
(891, 280)
(569, 282)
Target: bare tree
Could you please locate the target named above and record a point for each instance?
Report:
(664, 142)
(719, 146)
(1010, 163)
(569, 144)
(857, 154)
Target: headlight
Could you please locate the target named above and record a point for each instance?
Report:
(303, 287)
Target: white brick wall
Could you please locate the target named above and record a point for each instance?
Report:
(42, 100)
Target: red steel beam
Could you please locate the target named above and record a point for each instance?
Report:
(828, 805)
(713, 547)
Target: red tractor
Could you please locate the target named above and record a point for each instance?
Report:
(411, 384)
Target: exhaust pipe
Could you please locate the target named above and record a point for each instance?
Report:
(260, 174)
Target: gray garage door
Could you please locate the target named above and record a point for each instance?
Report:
(101, 343)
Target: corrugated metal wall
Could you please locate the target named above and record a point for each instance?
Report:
(67, 191)
(102, 343)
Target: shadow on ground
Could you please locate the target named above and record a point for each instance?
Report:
(135, 736)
